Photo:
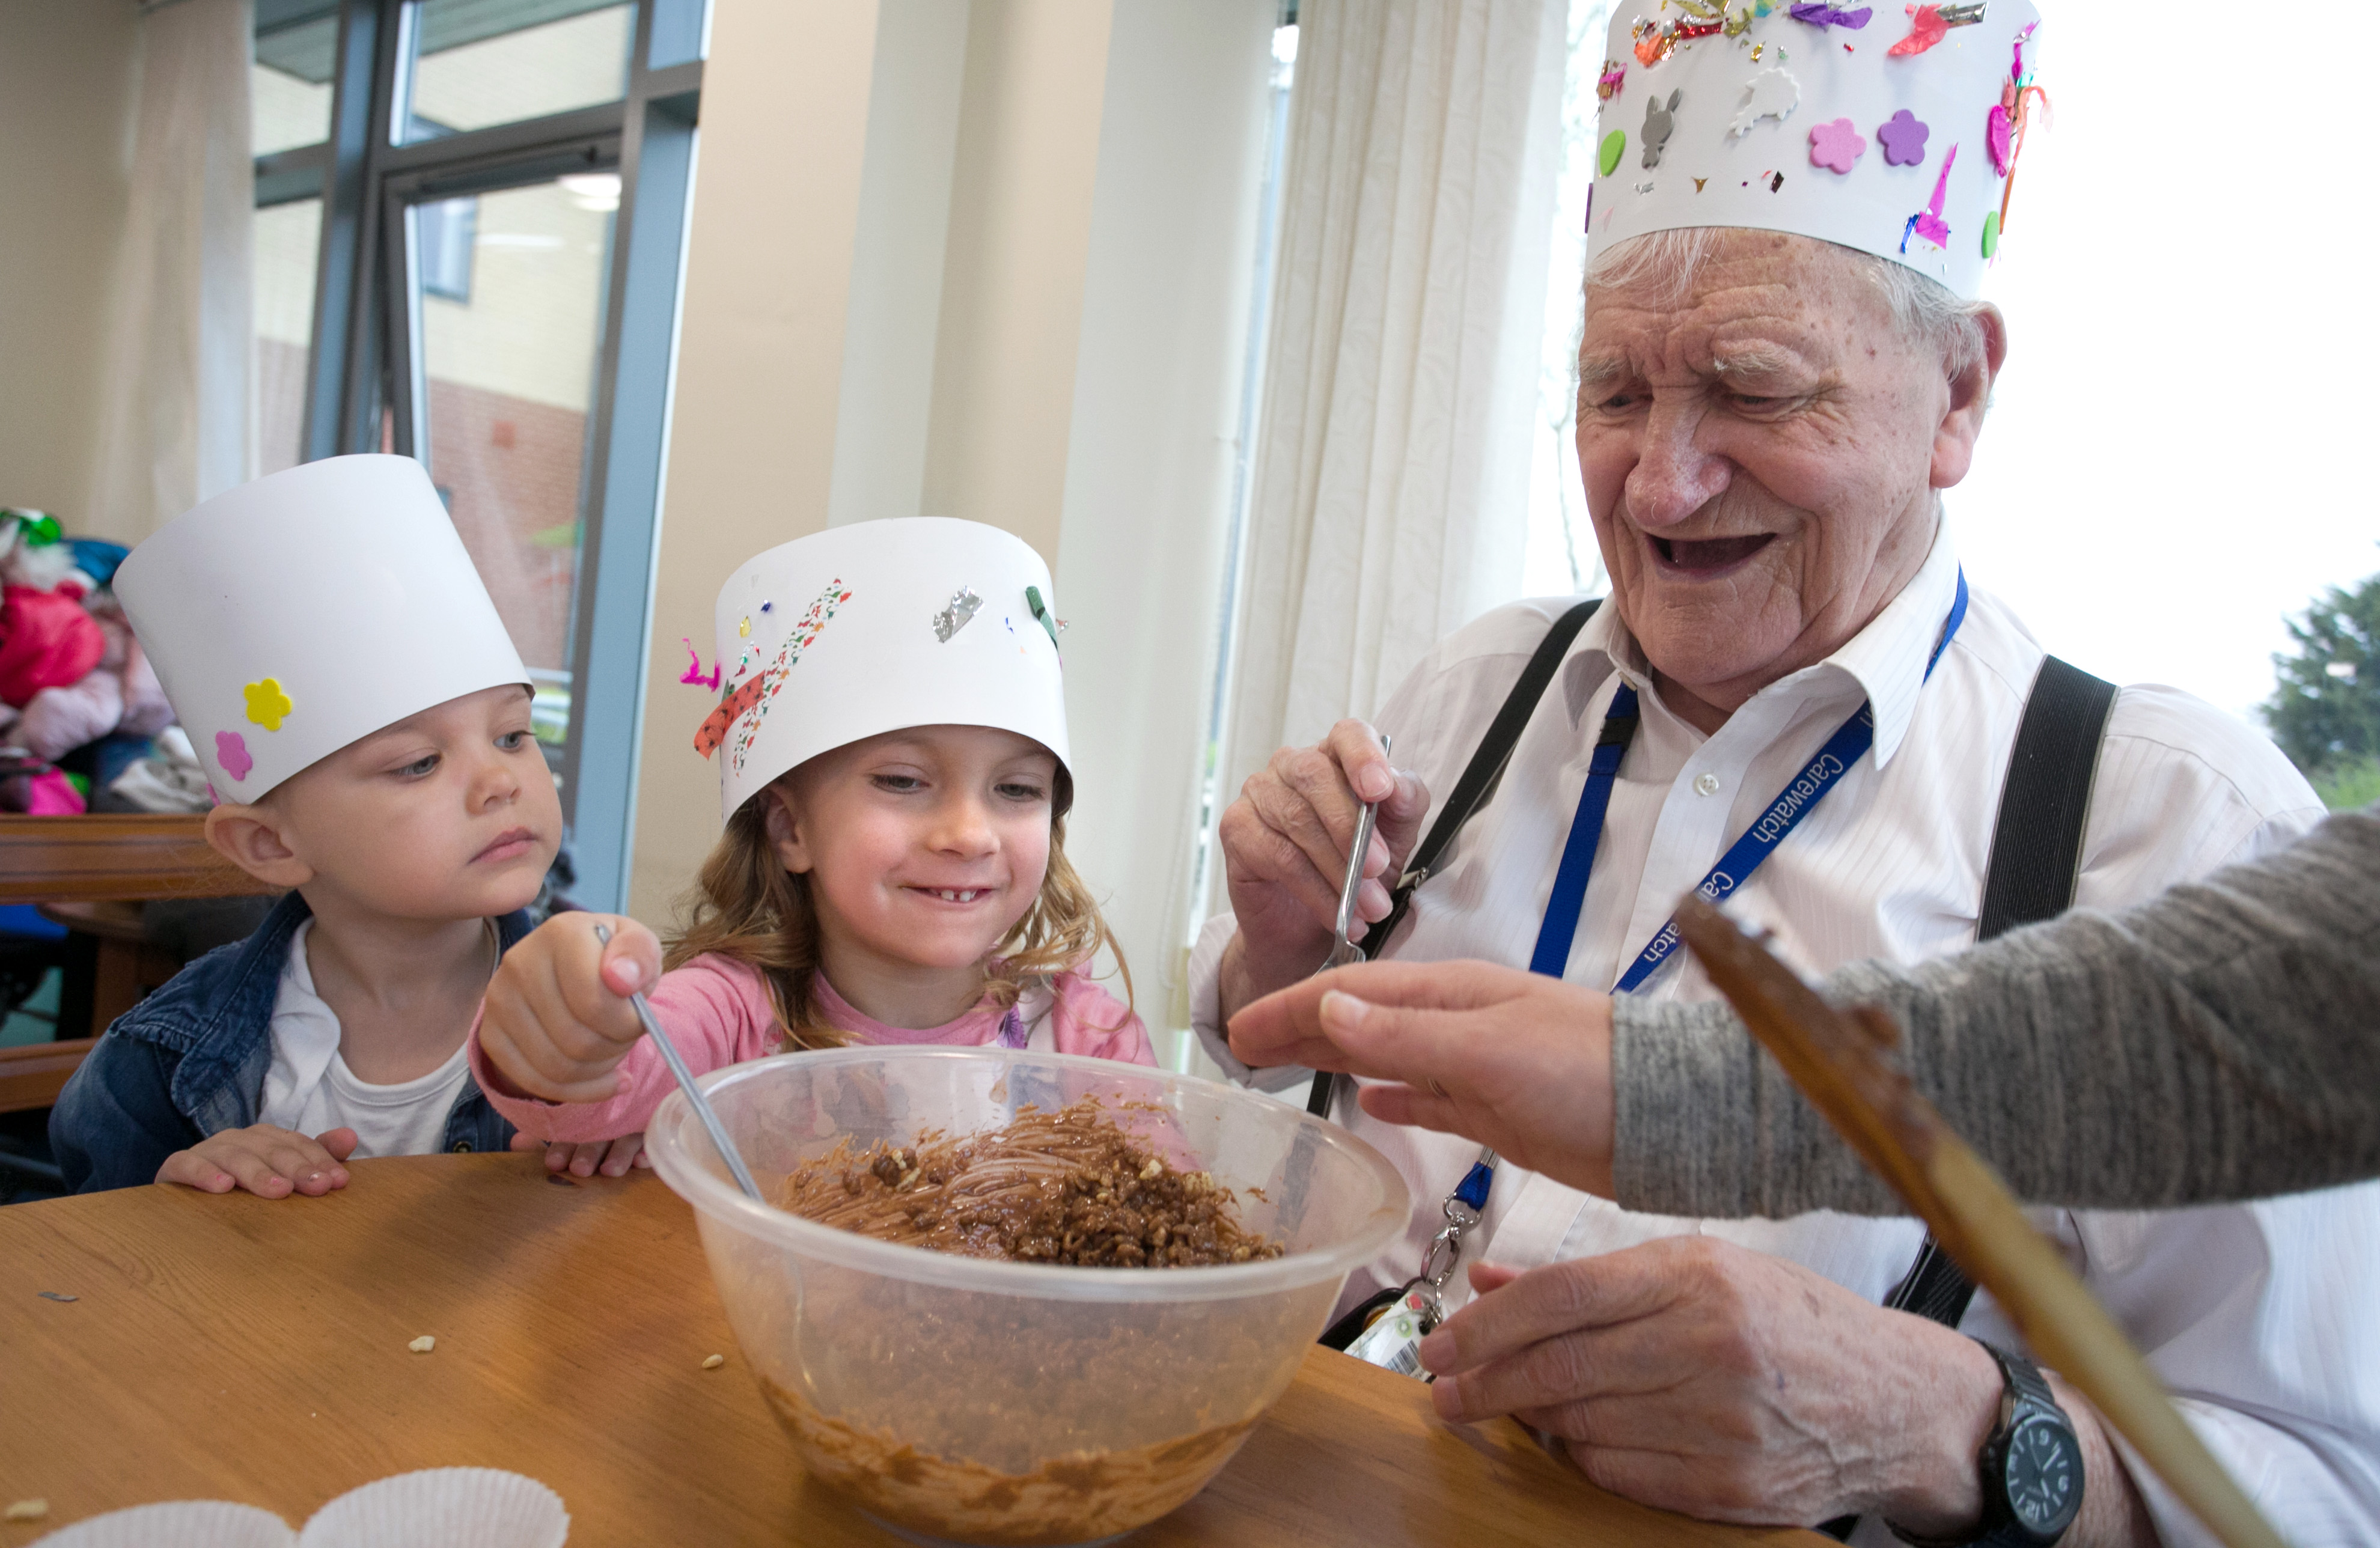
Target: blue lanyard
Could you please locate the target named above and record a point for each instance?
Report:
(1468, 1203)
(1796, 800)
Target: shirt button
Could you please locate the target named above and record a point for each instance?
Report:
(462, 1147)
(1705, 784)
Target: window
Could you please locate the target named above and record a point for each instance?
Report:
(469, 219)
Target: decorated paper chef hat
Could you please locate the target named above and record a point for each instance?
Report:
(293, 615)
(874, 627)
(1890, 129)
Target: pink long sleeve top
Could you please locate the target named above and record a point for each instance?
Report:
(716, 1009)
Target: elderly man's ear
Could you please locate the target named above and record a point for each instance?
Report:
(257, 840)
(1971, 397)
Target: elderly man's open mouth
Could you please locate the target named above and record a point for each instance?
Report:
(1701, 558)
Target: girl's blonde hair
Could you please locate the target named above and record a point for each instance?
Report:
(746, 906)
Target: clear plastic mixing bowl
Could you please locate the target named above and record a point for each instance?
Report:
(1004, 1403)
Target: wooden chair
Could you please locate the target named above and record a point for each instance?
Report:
(85, 869)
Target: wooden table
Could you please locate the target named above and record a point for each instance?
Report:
(236, 1348)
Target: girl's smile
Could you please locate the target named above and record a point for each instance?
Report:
(920, 850)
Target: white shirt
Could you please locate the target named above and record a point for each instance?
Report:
(310, 1089)
(2261, 1315)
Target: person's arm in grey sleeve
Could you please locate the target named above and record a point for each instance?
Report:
(2221, 1041)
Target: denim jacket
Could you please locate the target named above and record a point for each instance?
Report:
(191, 1061)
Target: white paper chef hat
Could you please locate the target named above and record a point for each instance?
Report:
(1893, 134)
(874, 627)
(293, 615)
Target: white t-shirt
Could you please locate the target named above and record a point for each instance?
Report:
(310, 1089)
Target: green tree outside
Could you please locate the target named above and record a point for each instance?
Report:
(2325, 710)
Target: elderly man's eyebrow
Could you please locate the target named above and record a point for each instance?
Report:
(1755, 359)
(1596, 372)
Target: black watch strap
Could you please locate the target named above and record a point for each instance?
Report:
(2025, 1396)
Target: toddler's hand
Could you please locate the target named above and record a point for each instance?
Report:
(267, 1161)
(557, 1019)
(611, 1157)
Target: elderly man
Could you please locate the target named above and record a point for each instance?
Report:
(1795, 699)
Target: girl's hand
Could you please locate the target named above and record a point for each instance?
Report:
(268, 1162)
(557, 1020)
(611, 1157)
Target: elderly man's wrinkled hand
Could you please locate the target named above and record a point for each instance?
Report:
(1284, 845)
(1703, 1377)
(1510, 1059)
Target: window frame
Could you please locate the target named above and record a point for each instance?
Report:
(363, 386)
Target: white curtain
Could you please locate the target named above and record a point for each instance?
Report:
(174, 390)
(1392, 474)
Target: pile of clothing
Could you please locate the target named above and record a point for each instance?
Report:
(79, 707)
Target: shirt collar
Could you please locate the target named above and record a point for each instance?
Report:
(1887, 660)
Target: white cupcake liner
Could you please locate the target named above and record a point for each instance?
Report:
(442, 1507)
(176, 1524)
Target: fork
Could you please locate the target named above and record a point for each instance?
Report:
(1344, 952)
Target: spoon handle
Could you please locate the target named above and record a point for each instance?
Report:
(702, 1107)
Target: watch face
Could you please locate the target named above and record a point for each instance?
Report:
(2043, 1475)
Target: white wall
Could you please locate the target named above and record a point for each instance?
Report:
(1032, 222)
(1150, 467)
(66, 101)
(768, 273)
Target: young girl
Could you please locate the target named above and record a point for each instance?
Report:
(893, 869)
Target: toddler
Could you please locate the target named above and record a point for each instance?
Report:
(891, 740)
(349, 688)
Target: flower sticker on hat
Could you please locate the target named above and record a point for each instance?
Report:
(231, 751)
(267, 705)
(1903, 138)
(1835, 146)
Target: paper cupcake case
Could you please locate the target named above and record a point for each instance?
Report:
(441, 1508)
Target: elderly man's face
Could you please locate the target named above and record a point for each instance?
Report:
(1761, 455)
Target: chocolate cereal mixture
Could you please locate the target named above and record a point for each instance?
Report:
(1068, 1186)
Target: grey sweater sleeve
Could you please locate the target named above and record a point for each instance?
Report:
(2221, 1041)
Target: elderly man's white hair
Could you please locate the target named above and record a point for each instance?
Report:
(1926, 311)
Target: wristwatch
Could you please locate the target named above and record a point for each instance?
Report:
(2031, 1466)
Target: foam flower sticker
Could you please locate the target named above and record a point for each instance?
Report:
(1903, 138)
(231, 751)
(267, 705)
(1835, 146)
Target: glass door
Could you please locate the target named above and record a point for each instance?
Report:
(503, 317)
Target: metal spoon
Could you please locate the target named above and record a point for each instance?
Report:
(702, 1107)
(1344, 952)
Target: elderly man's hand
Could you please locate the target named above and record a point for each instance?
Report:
(1703, 1377)
(1508, 1057)
(1285, 854)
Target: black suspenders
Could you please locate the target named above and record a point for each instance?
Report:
(2037, 853)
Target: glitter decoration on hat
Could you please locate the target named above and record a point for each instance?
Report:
(1788, 89)
(694, 676)
(952, 619)
(2004, 131)
(1929, 222)
(290, 616)
(1929, 24)
(866, 653)
(1831, 15)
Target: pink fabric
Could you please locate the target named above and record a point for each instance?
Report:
(46, 641)
(52, 794)
(716, 1009)
(60, 720)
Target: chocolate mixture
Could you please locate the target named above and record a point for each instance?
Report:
(1068, 1186)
